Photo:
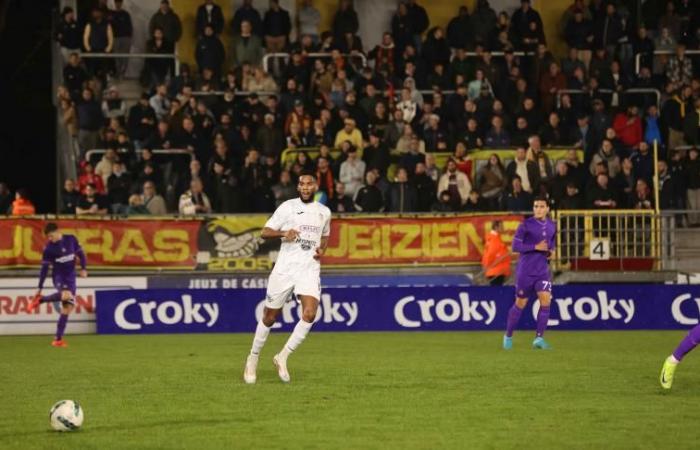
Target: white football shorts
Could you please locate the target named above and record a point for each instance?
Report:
(281, 286)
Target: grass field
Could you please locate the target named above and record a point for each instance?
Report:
(353, 390)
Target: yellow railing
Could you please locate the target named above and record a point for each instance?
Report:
(604, 235)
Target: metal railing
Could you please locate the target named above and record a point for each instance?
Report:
(638, 57)
(612, 239)
(315, 55)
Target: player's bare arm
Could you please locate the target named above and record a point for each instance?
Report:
(289, 235)
(321, 249)
(542, 246)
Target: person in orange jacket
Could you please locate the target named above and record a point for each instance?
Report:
(496, 259)
(22, 206)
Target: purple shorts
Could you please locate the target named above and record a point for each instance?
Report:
(528, 287)
(65, 284)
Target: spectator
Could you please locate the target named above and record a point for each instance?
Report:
(352, 172)
(123, 31)
(412, 157)
(156, 70)
(194, 201)
(98, 38)
(691, 124)
(349, 133)
(625, 183)
(376, 154)
(104, 167)
(652, 131)
(628, 127)
(153, 201)
(673, 115)
(69, 117)
(491, 181)
(608, 30)
(496, 259)
(521, 23)
(444, 203)
(209, 52)
(475, 203)
(579, 35)
(270, 138)
(402, 196)
(284, 190)
(517, 199)
(543, 172)
(22, 206)
(168, 21)
(601, 195)
(341, 203)
(644, 46)
(160, 102)
(456, 183)
(68, 34)
(558, 185)
(142, 120)
(276, 27)
(671, 21)
(74, 75)
(309, 19)
(247, 46)
(91, 203)
(692, 170)
(521, 167)
(425, 188)
(458, 30)
(642, 196)
(261, 83)
(113, 107)
(497, 136)
(119, 188)
(69, 198)
(369, 198)
(572, 200)
(436, 49)
(553, 133)
(550, 84)
(345, 20)
(572, 64)
(324, 176)
(247, 13)
(679, 69)
(669, 197)
(89, 121)
(606, 154)
(136, 206)
(209, 14)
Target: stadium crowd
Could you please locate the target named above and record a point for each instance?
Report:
(375, 134)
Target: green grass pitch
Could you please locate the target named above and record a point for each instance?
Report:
(353, 390)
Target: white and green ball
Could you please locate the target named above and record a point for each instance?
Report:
(66, 415)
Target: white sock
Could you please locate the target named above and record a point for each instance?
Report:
(262, 331)
(301, 329)
(672, 359)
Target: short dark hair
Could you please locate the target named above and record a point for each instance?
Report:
(540, 198)
(50, 227)
(496, 224)
(307, 173)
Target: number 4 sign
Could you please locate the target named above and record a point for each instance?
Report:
(599, 249)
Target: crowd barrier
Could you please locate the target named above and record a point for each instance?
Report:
(233, 243)
(574, 307)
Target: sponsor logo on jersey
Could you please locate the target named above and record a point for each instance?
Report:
(66, 258)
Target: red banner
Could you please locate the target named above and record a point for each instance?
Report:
(412, 241)
(125, 244)
(233, 243)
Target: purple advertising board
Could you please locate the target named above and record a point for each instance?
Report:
(574, 307)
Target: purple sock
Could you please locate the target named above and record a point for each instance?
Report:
(61, 328)
(513, 319)
(56, 296)
(688, 343)
(542, 319)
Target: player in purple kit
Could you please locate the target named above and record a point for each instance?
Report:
(689, 342)
(60, 253)
(534, 240)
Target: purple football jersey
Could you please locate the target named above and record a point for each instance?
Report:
(61, 257)
(533, 263)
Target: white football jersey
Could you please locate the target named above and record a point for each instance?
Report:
(312, 221)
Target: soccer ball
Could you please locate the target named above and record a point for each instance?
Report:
(66, 415)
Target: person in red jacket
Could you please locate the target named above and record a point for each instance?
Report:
(628, 127)
(496, 259)
(89, 177)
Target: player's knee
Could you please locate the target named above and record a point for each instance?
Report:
(269, 317)
(545, 301)
(521, 302)
(66, 296)
(309, 314)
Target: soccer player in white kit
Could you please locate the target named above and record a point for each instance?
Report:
(304, 227)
